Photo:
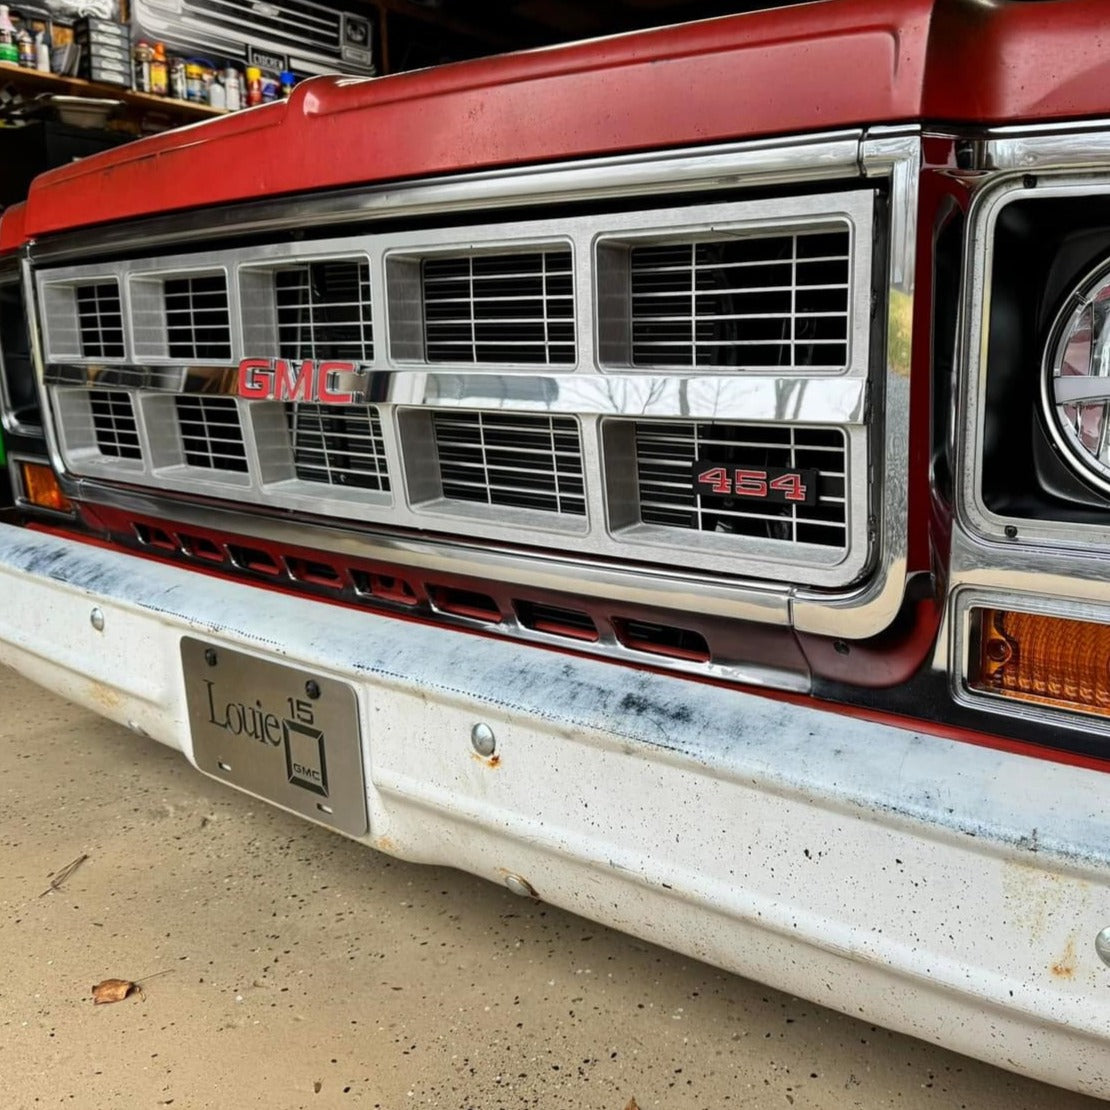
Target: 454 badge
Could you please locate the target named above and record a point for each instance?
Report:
(273, 730)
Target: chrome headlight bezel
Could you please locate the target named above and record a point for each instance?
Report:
(1078, 419)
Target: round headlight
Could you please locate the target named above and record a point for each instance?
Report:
(1077, 379)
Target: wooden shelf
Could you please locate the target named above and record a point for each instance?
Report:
(31, 81)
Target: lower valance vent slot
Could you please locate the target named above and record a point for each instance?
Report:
(338, 445)
(113, 421)
(745, 463)
(511, 460)
(211, 435)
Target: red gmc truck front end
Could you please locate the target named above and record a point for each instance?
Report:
(667, 475)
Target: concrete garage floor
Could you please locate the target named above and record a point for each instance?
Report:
(308, 971)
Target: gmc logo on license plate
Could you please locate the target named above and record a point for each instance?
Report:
(779, 485)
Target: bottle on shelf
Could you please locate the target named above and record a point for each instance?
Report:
(287, 81)
(42, 52)
(159, 74)
(143, 57)
(9, 51)
(26, 48)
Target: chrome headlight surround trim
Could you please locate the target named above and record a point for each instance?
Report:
(1065, 162)
(890, 154)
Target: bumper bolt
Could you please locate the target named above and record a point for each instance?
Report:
(312, 688)
(483, 740)
(521, 887)
(1102, 945)
(210, 656)
(96, 619)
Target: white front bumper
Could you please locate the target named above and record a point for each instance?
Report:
(942, 889)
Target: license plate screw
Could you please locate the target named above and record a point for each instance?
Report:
(312, 688)
(1102, 945)
(521, 887)
(210, 656)
(483, 740)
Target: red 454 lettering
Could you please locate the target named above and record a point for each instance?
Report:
(777, 484)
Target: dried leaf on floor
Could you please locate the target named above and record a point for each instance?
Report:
(113, 990)
(632, 1105)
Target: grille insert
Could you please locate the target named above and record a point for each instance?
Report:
(114, 426)
(499, 308)
(324, 311)
(666, 451)
(754, 301)
(338, 445)
(511, 460)
(100, 320)
(211, 435)
(198, 324)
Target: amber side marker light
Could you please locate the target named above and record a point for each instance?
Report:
(1051, 661)
(40, 487)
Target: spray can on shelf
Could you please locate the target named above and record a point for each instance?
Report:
(42, 53)
(254, 86)
(9, 52)
(143, 57)
(159, 76)
(178, 81)
(26, 47)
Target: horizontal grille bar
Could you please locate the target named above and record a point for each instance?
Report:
(198, 321)
(114, 426)
(499, 308)
(513, 461)
(338, 445)
(754, 301)
(211, 434)
(100, 319)
(666, 452)
(324, 311)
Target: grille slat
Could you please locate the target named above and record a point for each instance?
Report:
(750, 302)
(499, 308)
(100, 319)
(511, 461)
(338, 445)
(114, 425)
(211, 433)
(198, 322)
(324, 311)
(664, 450)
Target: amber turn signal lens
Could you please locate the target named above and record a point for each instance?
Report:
(1048, 660)
(40, 487)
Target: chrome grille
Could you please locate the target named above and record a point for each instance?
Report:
(750, 301)
(324, 311)
(666, 451)
(338, 445)
(114, 427)
(515, 460)
(198, 322)
(211, 435)
(99, 319)
(499, 308)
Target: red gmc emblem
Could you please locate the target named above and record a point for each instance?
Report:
(279, 379)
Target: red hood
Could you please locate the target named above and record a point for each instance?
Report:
(813, 67)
